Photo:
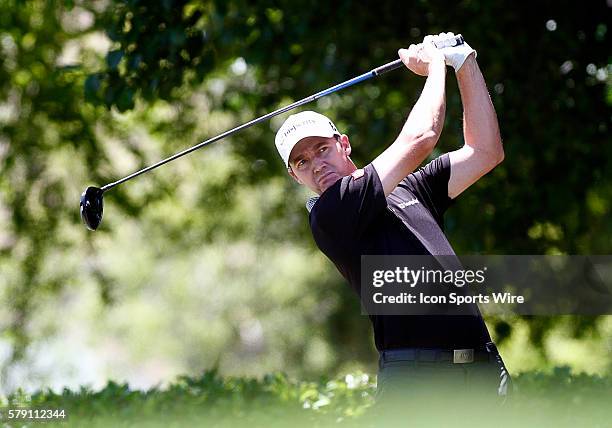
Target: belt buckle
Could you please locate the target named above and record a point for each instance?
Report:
(462, 356)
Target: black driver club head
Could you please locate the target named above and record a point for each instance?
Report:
(91, 207)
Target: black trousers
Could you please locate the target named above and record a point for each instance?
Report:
(425, 376)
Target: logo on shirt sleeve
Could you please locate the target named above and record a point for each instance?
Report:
(408, 203)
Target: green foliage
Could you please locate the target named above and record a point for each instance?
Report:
(44, 119)
(210, 400)
(558, 399)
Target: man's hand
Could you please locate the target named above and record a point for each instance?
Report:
(419, 58)
(454, 56)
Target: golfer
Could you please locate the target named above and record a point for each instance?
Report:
(389, 207)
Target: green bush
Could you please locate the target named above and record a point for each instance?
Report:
(556, 399)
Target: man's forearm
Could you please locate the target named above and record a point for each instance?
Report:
(426, 119)
(480, 127)
(422, 129)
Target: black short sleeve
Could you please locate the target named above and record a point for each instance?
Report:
(430, 185)
(347, 207)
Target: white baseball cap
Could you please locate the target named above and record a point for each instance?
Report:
(299, 126)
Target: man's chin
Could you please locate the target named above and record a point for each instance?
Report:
(327, 182)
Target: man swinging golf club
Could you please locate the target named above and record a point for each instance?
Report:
(367, 211)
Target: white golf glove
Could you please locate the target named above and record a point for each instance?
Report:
(454, 55)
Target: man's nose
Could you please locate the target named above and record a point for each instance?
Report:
(317, 166)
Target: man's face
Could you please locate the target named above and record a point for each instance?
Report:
(318, 162)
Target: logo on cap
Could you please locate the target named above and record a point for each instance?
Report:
(299, 126)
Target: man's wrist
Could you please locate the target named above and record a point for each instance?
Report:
(468, 66)
(437, 63)
(470, 58)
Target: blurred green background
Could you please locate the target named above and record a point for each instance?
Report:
(209, 262)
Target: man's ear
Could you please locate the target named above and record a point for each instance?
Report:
(292, 174)
(346, 144)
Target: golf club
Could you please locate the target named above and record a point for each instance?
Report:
(92, 203)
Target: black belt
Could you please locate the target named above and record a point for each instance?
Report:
(456, 356)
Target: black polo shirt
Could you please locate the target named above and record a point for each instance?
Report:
(353, 217)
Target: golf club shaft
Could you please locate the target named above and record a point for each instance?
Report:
(375, 72)
(458, 39)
